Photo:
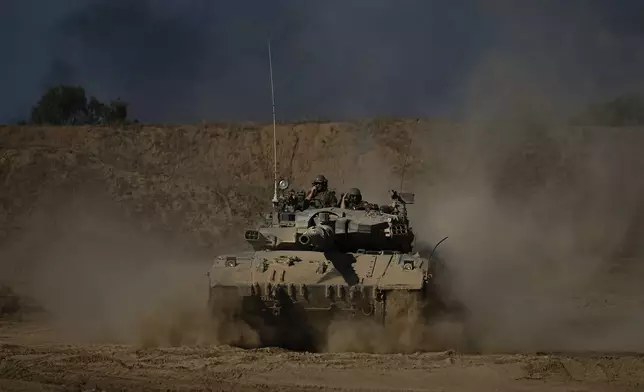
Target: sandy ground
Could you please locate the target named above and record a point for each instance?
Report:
(31, 361)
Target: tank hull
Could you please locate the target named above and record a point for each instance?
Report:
(290, 297)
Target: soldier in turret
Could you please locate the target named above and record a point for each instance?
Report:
(319, 196)
(298, 202)
(294, 201)
(352, 200)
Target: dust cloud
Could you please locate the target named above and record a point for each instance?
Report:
(100, 279)
(540, 217)
(544, 219)
(405, 331)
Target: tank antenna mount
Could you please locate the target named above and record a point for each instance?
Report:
(270, 65)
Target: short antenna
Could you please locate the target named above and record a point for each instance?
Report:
(270, 65)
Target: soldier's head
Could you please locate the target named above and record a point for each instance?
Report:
(354, 196)
(320, 182)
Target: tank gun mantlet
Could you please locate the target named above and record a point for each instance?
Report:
(319, 236)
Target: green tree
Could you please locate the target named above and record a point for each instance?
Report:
(66, 105)
(60, 105)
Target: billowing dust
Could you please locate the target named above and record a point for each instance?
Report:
(544, 220)
(403, 332)
(540, 219)
(538, 224)
(101, 280)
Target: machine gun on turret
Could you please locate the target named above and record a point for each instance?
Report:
(399, 201)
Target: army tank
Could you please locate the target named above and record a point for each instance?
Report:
(310, 266)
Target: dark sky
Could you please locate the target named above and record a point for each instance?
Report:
(192, 60)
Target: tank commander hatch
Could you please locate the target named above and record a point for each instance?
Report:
(294, 201)
(352, 200)
(319, 196)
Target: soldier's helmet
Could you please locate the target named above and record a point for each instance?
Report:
(321, 180)
(354, 195)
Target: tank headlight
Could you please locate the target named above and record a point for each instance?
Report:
(408, 265)
(231, 262)
(283, 184)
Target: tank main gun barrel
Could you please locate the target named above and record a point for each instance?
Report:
(319, 237)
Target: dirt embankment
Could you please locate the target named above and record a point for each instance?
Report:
(202, 181)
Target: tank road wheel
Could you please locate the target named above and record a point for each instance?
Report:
(227, 319)
(288, 326)
(247, 321)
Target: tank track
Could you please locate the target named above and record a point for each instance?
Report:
(292, 326)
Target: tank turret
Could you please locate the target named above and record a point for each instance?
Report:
(291, 228)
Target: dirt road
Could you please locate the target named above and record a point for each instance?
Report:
(30, 361)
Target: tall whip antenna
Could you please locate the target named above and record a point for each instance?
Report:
(270, 64)
(404, 168)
